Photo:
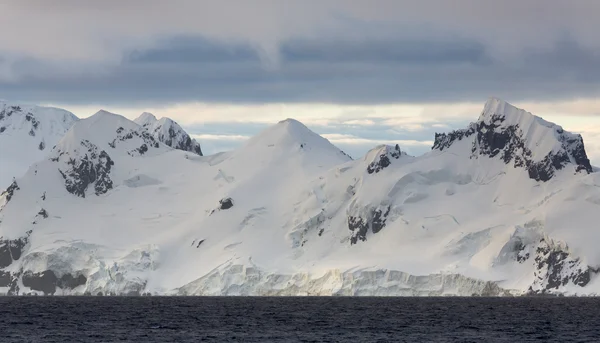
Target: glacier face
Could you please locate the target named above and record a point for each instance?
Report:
(114, 210)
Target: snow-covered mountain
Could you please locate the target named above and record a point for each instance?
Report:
(505, 206)
(27, 134)
(167, 131)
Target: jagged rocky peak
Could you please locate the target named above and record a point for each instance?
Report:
(167, 131)
(383, 157)
(521, 139)
(88, 152)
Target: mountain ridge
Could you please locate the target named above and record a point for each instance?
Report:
(288, 213)
(520, 138)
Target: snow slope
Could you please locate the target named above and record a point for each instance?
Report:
(169, 132)
(27, 134)
(506, 206)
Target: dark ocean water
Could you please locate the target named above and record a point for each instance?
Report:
(229, 319)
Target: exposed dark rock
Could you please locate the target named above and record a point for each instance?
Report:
(42, 145)
(555, 267)
(2, 129)
(68, 281)
(359, 228)
(10, 191)
(177, 138)
(200, 242)
(43, 213)
(93, 168)
(379, 218)
(10, 280)
(142, 149)
(43, 282)
(375, 221)
(12, 249)
(47, 282)
(225, 203)
(445, 140)
(148, 140)
(384, 159)
(493, 139)
(5, 278)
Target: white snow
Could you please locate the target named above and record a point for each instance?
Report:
(27, 134)
(169, 132)
(452, 222)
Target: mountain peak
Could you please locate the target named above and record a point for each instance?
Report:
(285, 132)
(27, 133)
(102, 112)
(145, 119)
(289, 136)
(520, 138)
(496, 108)
(167, 131)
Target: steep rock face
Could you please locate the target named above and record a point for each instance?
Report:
(556, 267)
(168, 132)
(91, 168)
(521, 139)
(12, 249)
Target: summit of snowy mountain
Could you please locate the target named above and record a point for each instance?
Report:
(145, 119)
(93, 146)
(27, 134)
(112, 210)
(520, 139)
(167, 131)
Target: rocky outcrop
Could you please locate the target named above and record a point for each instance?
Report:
(225, 203)
(47, 281)
(168, 132)
(10, 191)
(373, 220)
(556, 267)
(12, 249)
(499, 134)
(148, 141)
(384, 158)
(91, 167)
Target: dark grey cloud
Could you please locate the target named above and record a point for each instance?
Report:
(340, 51)
(187, 68)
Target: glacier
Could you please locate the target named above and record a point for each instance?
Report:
(504, 207)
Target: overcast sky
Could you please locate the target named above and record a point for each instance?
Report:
(359, 72)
